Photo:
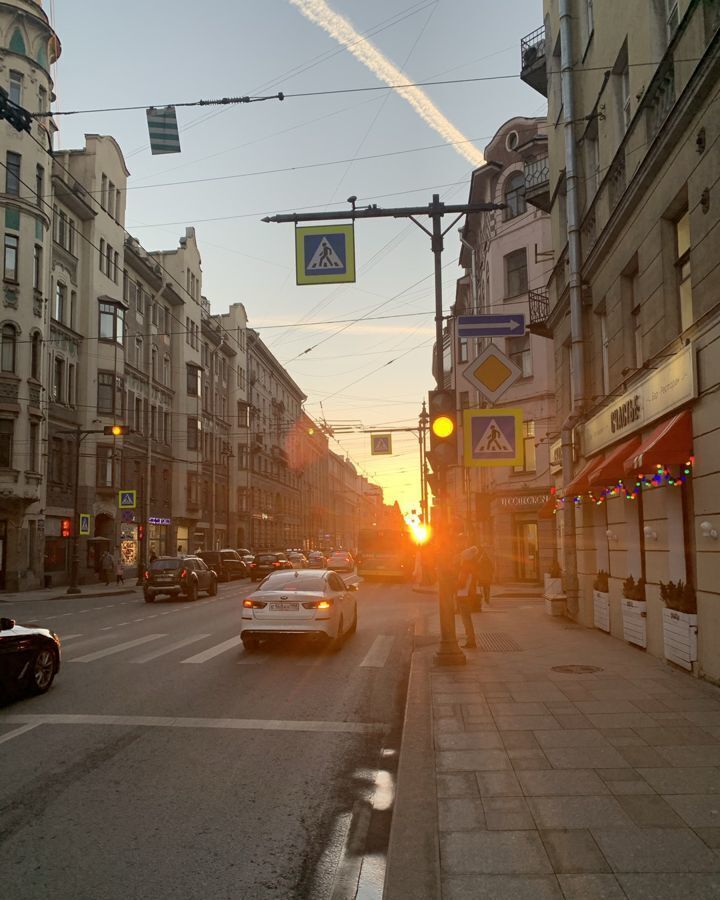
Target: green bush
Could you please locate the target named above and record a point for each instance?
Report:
(679, 597)
(601, 581)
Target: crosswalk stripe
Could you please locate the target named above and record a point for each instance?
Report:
(117, 648)
(169, 649)
(213, 651)
(378, 654)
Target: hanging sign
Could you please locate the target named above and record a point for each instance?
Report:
(381, 444)
(163, 129)
(325, 254)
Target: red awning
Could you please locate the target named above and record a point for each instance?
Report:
(612, 468)
(582, 481)
(669, 444)
(547, 510)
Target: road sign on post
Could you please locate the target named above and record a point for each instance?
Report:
(325, 254)
(492, 373)
(127, 499)
(493, 437)
(381, 444)
(84, 523)
(497, 325)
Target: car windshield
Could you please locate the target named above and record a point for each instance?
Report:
(164, 565)
(281, 582)
(266, 558)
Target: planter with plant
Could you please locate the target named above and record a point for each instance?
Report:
(634, 611)
(553, 593)
(601, 601)
(679, 623)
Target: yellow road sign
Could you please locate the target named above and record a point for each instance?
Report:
(325, 254)
(493, 437)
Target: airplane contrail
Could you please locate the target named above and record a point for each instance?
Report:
(338, 27)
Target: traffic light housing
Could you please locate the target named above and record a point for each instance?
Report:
(66, 528)
(116, 430)
(443, 451)
(141, 532)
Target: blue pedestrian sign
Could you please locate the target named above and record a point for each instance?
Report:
(84, 524)
(381, 444)
(127, 499)
(325, 254)
(493, 437)
(499, 325)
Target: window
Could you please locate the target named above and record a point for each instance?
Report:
(621, 90)
(462, 350)
(104, 467)
(112, 322)
(42, 100)
(37, 268)
(8, 340)
(60, 301)
(514, 196)
(59, 380)
(73, 306)
(520, 353)
(625, 93)
(105, 393)
(516, 276)
(604, 354)
(155, 314)
(115, 267)
(111, 198)
(166, 370)
(154, 363)
(12, 174)
(71, 385)
(592, 164)
(153, 422)
(682, 266)
(192, 488)
(16, 86)
(242, 457)
(529, 463)
(7, 428)
(167, 434)
(193, 381)
(33, 449)
(39, 185)
(102, 254)
(139, 353)
(193, 433)
(35, 351)
(12, 243)
(138, 415)
(464, 397)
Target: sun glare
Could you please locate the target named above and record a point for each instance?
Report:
(419, 532)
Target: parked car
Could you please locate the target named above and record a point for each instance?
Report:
(297, 559)
(317, 560)
(175, 577)
(315, 603)
(225, 563)
(264, 563)
(29, 657)
(341, 561)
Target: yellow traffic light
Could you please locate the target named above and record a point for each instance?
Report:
(116, 430)
(442, 426)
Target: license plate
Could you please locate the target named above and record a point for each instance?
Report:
(165, 578)
(284, 606)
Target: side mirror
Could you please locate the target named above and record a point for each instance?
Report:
(353, 587)
(6, 624)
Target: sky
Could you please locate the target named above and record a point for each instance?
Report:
(243, 162)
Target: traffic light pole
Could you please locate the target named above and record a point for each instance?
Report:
(449, 652)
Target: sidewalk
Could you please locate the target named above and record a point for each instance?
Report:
(99, 589)
(519, 780)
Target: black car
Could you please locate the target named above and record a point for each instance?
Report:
(225, 563)
(29, 657)
(178, 577)
(268, 562)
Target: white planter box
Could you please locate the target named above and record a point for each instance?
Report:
(634, 614)
(553, 586)
(555, 606)
(601, 610)
(680, 636)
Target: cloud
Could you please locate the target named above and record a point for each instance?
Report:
(318, 12)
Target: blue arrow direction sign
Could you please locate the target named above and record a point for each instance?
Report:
(508, 325)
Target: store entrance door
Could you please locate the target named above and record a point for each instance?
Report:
(526, 551)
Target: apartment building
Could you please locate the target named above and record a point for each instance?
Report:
(633, 304)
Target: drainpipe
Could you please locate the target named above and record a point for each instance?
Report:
(576, 317)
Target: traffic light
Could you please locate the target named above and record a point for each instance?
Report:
(116, 430)
(66, 528)
(443, 430)
(141, 532)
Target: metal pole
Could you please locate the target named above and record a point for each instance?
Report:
(75, 536)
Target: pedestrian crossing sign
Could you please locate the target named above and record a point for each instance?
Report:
(381, 444)
(127, 499)
(493, 437)
(325, 254)
(84, 524)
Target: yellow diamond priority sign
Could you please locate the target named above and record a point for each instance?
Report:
(492, 373)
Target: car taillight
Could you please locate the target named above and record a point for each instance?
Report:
(276, 564)
(253, 565)
(183, 573)
(146, 576)
(317, 604)
(253, 604)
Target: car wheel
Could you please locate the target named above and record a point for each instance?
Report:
(149, 598)
(249, 643)
(337, 642)
(212, 592)
(42, 672)
(192, 592)
(353, 628)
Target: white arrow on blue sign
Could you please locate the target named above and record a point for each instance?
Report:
(508, 325)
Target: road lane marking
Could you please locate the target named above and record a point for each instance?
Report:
(378, 654)
(70, 637)
(163, 650)
(116, 648)
(190, 722)
(213, 651)
(18, 731)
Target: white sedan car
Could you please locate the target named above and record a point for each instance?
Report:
(300, 601)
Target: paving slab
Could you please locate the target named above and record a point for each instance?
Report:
(523, 759)
(568, 783)
(591, 887)
(456, 784)
(671, 887)
(673, 736)
(472, 760)
(502, 887)
(469, 740)
(493, 853)
(585, 757)
(700, 780)
(650, 811)
(498, 784)
(697, 810)
(703, 755)
(654, 850)
(574, 852)
(578, 812)
(507, 814)
(460, 814)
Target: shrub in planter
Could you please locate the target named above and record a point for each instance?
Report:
(601, 581)
(679, 597)
(555, 570)
(601, 601)
(679, 623)
(633, 611)
(634, 590)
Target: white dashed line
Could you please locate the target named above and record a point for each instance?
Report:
(378, 654)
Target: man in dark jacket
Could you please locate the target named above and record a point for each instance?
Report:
(465, 592)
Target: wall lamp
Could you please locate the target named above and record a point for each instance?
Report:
(650, 534)
(610, 534)
(708, 531)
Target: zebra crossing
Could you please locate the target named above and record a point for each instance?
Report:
(83, 649)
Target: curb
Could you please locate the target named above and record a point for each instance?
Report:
(90, 595)
(413, 863)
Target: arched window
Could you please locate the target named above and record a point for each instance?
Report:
(35, 357)
(8, 343)
(515, 195)
(17, 43)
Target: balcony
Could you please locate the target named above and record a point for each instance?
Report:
(532, 56)
(537, 183)
(539, 312)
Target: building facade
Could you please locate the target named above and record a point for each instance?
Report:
(633, 306)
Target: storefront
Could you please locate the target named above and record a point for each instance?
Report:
(523, 539)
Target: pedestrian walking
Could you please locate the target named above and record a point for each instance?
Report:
(106, 566)
(465, 592)
(485, 573)
(119, 571)
(180, 553)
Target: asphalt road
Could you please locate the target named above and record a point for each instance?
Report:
(165, 762)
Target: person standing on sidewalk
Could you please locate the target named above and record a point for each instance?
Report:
(486, 570)
(119, 570)
(465, 593)
(106, 566)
